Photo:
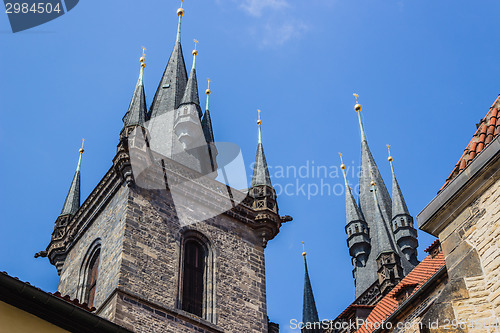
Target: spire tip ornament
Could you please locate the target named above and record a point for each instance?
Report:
(143, 58)
(342, 166)
(81, 149)
(208, 91)
(303, 250)
(180, 11)
(389, 150)
(357, 107)
(195, 51)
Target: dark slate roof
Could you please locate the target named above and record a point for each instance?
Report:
(309, 311)
(383, 241)
(172, 85)
(72, 202)
(352, 211)
(206, 124)
(191, 93)
(487, 129)
(136, 114)
(260, 170)
(369, 171)
(398, 202)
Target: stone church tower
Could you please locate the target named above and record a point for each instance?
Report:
(159, 244)
(382, 239)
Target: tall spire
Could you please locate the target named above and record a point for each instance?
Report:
(398, 202)
(206, 122)
(260, 170)
(351, 207)
(384, 240)
(369, 173)
(173, 82)
(310, 316)
(191, 94)
(136, 114)
(72, 202)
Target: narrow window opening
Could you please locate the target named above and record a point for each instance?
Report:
(92, 278)
(193, 277)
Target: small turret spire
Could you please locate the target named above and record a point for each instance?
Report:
(136, 114)
(260, 171)
(72, 202)
(352, 209)
(398, 202)
(309, 311)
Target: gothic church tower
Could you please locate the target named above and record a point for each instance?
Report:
(159, 244)
(381, 238)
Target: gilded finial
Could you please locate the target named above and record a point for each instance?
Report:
(372, 183)
(180, 11)
(143, 58)
(357, 107)
(195, 52)
(389, 150)
(208, 92)
(81, 149)
(342, 166)
(259, 122)
(303, 250)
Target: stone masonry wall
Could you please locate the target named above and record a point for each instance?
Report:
(109, 227)
(471, 244)
(151, 260)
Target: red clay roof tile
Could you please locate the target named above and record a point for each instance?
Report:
(417, 277)
(487, 130)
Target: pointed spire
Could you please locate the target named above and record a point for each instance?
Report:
(72, 202)
(385, 242)
(398, 202)
(173, 82)
(206, 122)
(369, 173)
(352, 209)
(260, 170)
(136, 114)
(309, 311)
(191, 93)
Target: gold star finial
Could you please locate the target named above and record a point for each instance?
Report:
(389, 150)
(208, 91)
(357, 106)
(195, 51)
(81, 149)
(303, 249)
(259, 122)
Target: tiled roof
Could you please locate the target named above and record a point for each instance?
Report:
(417, 277)
(57, 294)
(487, 129)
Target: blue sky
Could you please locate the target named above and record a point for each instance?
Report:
(426, 72)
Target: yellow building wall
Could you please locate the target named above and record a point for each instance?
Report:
(14, 320)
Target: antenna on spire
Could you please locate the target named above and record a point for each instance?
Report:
(208, 92)
(259, 122)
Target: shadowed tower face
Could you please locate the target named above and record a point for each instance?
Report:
(381, 239)
(127, 249)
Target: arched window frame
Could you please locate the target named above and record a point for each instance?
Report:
(83, 283)
(209, 280)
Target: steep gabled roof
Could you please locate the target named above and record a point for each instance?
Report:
(487, 129)
(72, 202)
